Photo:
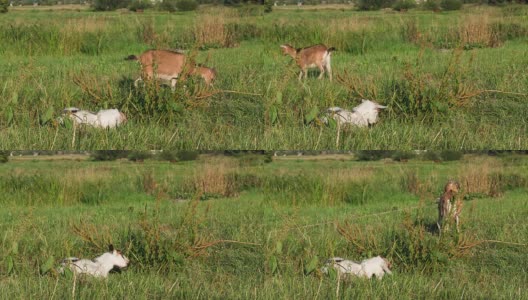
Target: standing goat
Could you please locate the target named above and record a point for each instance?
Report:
(168, 65)
(97, 267)
(311, 57)
(446, 208)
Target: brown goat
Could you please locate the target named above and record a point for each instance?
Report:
(311, 57)
(168, 65)
(445, 205)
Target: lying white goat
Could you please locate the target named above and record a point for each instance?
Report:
(99, 266)
(374, 266)
(105, 118)
(362, 115)
(343, 266)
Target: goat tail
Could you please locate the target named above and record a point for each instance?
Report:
(131, 57)
(331, 49)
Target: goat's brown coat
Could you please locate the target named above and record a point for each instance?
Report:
(168, 65)
(309, 57)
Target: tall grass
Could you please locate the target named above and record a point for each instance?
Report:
(262, 248)
(76, 59)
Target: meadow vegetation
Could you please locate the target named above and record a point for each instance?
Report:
(452, 80)
(219, 228)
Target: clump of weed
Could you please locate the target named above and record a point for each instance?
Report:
(139, 156)
(451, 155)
(451, 4)
(431, 155)
(147, 183)
(410, 246)
(108, 155)
(168, 155)
(210, 31)
(476, 32)
(4, 157)
(403, 156)
(186, 155)
(146, 33)
(165, 246)
(412, 183)
(186, 5)
(372, 155)
(489, 179)
(403, 5)
(215, 180)
(252, 159)
(430, 96)
(139, 5)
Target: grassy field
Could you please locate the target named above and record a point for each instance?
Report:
(234, 228)
(452, 80)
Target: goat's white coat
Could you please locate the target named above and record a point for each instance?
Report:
(377, 266)
(106, 118)
(343, 266)
(362, 115)
(98, 267)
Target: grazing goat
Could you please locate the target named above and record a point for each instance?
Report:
(311, 57)
(445, 205)
(362, 115)
(97, 267)
(377, 266)
(106, 118)
(167, 66)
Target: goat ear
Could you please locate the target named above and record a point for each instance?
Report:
(111, 248)
(381, 106)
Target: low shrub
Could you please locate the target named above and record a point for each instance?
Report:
(186, 5)
(374, 4)
(139, 156)
(411, 246)
(450, 155)
(403, 155)
(4, 4)
(4, 157)
(433, 5)
(187, 155)
(254, 159)
(139, 5)
(108, 155)
(431, 155)
(168, 156)
(109, 5)
(402, 5)
(251, 10)
(372, 155)
(451, 4)
(167, 5)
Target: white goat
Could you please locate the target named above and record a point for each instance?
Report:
(343, 266)
(106, 118)
(377, 266)
(97, 267)
(317, 56)
(362, 115)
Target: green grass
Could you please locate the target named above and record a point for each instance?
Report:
(44, 201)
(42, 56)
